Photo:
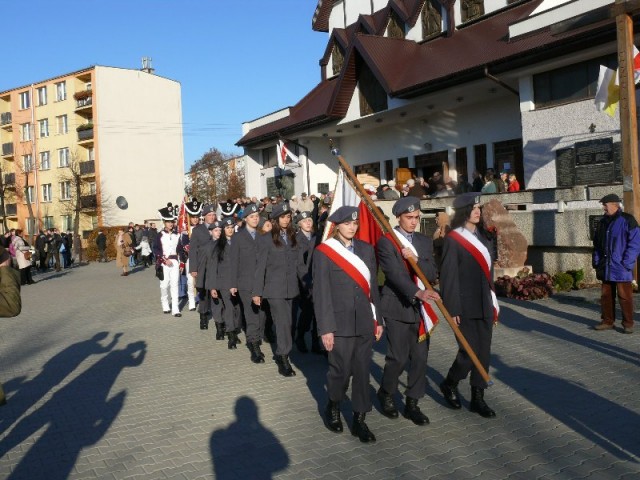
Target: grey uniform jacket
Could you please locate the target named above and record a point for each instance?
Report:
(464, 287)
(243, 258)
(340, 305)
(276, 273)
(399, 290)
(199, 238)
(221, 279)
(305, 258)
(205, 268)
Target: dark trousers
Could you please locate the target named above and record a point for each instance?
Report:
(230, 311)
(254, 317)
(477, 332)
(350, 357)
(42, 256)
(205, 301)
(403, 345)
(25, 276)
(306, 319)
(282, 314)
(55, 254)
(608, 302)
(102, 255)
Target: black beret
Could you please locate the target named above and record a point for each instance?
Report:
(208, 208)
(249, 209)
(279, 209)
(466, 199)
(302, 216)
(405, 204)
(344, 214)
(216, 224)
(611, 198)
(228, 222)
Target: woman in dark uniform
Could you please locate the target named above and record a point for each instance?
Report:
(345, 292)
(221, 283)
(466, 279)
(276, 280)
(207, 268)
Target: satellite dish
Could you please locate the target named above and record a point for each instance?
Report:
(121, 202)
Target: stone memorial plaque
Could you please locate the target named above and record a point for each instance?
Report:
(594, 221)
(595, 162)
(594, 152)
(272, 189)
(565, 167)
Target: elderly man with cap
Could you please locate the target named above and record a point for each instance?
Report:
(199, 238)
(276, 280)
(345, 294)
(616, 246)
(165, 252)
(466, 279)
(243, 259)
(193, 209)
(405, 309)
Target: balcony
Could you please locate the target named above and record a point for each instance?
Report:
(5, 121)
(7, 149)
(85, 133)
(88, 168)
(89, 202)
(9, 180)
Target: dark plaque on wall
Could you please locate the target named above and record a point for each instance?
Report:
(593, 162)
(594, 221)
(272, 190)
(565, 167)
(594, 152)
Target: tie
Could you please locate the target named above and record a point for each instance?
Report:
(284, 238)
(253, 235)
(410, 238)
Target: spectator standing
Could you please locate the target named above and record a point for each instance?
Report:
(101, 243)
(514, 185)
(23, 258)
(478, 183)
(489, 184)
(41, 245)
(416, 190)
(123, 240)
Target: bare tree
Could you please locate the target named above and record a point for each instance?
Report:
(213, 179)
(27, 168)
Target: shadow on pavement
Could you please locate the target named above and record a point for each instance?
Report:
(246, 449)
(76, 416)
(603, 422)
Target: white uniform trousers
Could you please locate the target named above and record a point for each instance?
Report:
(191, 288)
(169, 286)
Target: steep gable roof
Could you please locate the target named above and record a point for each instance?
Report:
(320, 20)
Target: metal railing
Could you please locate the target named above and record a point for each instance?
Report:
(88, 167)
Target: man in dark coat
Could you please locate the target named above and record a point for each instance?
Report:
(200, 236)
(41, 245)
(101, 243)
(400, 306)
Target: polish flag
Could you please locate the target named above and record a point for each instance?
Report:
(285, 155)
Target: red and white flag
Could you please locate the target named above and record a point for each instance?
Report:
(285, 155)
(183, 221)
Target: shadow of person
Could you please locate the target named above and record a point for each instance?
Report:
(606, 423)
(246, 449)
(76, 416)
(314, 368)
(53, 373)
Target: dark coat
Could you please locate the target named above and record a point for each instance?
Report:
(399, 290)
(200, 236)
(305, 258)
(243, 259)
(218, 276)
(101, 241)
(276, 274)
(616, 247)
(339, 303)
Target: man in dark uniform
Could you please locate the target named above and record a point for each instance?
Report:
(243, 258)
(306, 321)
(400, 304)
(200, 236)
(466, 279)
(345, 294)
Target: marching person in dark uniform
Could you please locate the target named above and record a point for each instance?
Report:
(345, 293)
(199, 238)
(193, 209)
(402, 307)
(207, 269)
(306, 321)
(276, 280)
(242, 264)
(166, 255)
(466, 280)
(220, 284)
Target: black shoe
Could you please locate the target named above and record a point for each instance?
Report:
(478, 405)
(238, 332)
(413, 413)
(302, 347)
(204, 321)
(177, 315)
(451, 395)
(284, 367)
(219, 330)
(332, 417)
(231, 340)
(167, 311)
(360, 428)
(256, 347)
(386, 404)
(191, 309)
(256, 355)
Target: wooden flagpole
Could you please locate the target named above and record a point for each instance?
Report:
(386, 228)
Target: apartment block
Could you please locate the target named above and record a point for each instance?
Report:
(79, 141)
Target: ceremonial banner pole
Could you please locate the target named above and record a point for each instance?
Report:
(386, 228)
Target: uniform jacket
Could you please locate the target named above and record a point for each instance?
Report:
(616, 247)
(218, 270)
(464, 288)
(276, 274)
(200, 236)
(398, 293)
(158, 248)
(305, 258)
(339, 303)
(205, 268)
(243, 258)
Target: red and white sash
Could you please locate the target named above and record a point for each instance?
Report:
(352, 266)
(428, 315)
(481, 255)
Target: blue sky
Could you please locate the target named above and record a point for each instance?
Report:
(236, 60)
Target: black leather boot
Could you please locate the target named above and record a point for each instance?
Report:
(204, 321)
(360, 428)
(219, 331)
(386, 404)
(413, 413)
(256, 347)
(332, 414)
(231, 340)
(238, 332)
(284, 367)
(478, 405)
(256, 356)
(449, 389)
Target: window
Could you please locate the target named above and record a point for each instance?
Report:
(388, 170)
(480, 152)
(373, 98)
(323, 188)
(94, 222)
(67, 223)
(25, 131)
(269, 157)
(25, 100)
(337, 58)
(403, 162)
(461, 162)
(431, 19)
(46, 192)
(47, 222)
(91, 154)
(87, 86)
(92, 188)
(63, 157)
(62, 124)
(45, 161)
(31, 226)
(395, 28)
(27, 162)
(29, 194)
(61, 91)
(471, 9)
(42, 96)
(65, 190)
(44, 127)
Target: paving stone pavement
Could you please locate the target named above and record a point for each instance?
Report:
(101, 384)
